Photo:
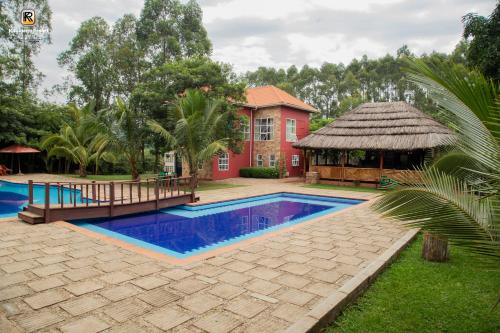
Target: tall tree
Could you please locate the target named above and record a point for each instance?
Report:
(19, 44)
(484, 36)
(89, 58)
(169, 29)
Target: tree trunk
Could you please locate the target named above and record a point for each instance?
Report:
(435, 248)
(133, 169)
(82, 171)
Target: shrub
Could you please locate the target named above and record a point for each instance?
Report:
(259, 172)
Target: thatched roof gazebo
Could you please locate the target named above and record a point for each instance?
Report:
(363, 138)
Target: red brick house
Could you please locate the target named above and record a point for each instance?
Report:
(276, 121)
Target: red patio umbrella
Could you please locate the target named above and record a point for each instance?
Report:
(18, 149)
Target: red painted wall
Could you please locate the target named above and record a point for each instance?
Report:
(242, 160)
(302, 130)
(236, 161)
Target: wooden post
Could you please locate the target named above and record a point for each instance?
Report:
(157, 194)
(30, 192)
(381, 157)
(111, 198)
(342, 166)
(435, 248)
(47, 203)
(139, 189)
(93, 191)
(193, 196)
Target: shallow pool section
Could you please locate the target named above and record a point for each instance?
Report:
(14, 196)
(185, 231)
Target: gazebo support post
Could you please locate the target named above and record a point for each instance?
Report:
(343, 160)
(381, 157)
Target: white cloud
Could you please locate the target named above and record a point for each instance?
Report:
(253, 33)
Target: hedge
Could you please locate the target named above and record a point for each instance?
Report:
(259, 172)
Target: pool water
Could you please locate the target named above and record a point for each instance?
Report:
(14, 196)
(189, 230)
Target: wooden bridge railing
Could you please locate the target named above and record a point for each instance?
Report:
(73, 194)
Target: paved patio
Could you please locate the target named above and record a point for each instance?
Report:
(56, 279)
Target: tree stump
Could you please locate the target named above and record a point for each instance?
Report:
(435, 248)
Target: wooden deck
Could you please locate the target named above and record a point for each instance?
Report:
(106, 199)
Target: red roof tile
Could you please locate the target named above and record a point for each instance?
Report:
(266, 96)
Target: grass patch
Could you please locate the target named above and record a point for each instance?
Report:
(345, 188)
(414, 295)
(110, 177)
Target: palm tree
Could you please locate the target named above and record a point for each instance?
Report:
(197, 134)
(80, 142)
(457, 199)
(124, 130)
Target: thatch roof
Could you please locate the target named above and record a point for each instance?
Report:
(380, 126)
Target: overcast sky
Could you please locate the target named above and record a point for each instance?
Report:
(279, 33)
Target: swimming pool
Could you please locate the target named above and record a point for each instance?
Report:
(14, 196)
(185, 231)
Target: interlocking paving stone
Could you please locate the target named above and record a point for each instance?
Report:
(295, 296)
(262, 286)
(289, 312)
(80, 263)
(219, 322)
(83, 304)
(326, 276)
(271, 262)
(10, 279)
(13, 292)
(158, 297)
(46, 298)
(246, 307)
(49, 270)
(320, 288)
(263, 273)
(322, 263)
(52, 259)
(37, 321)
(116, 277)
(200, 303)
(145, 269)
(112, 266)
(208, 270)
(90, 324)
(81, 274)
(80, 288)
(150, 282)
(291, 280)
(126, 310)
(177, 274)
(349, 260)
(18, 266)
(239, 266)
(127, 328)
(47, 283)
(120, 292)
(167, 318)
(297, 269)
(26, 255)
(265, 326)
(248, 257)
(297, 258)
(226, 291)
(218, 261)
(234, 278)
(189, 285)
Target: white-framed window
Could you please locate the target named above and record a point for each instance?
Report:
(263, 129)
(295, 160)
(245, 128)
(260, 160)
(272, 160)
(291, 130)
(224, 162)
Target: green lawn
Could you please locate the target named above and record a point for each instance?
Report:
(418, 296)
(345, 188)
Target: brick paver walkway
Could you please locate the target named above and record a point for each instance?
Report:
(56, 279)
